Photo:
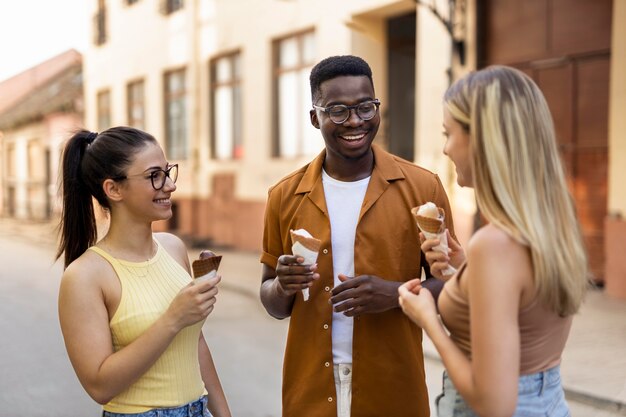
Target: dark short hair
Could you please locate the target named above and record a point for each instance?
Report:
(337, 66)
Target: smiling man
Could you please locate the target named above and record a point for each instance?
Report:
(350, 350)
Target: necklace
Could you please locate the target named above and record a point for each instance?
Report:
(139, 269)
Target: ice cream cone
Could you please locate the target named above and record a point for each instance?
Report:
(430, 224)
(204, 266)
(433, 228)
(305, 245)
(309, 243)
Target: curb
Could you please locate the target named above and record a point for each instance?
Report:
(571, 394)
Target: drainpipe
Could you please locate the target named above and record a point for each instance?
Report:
(196, 140)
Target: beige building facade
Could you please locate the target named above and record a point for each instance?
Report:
(238, 72)
(223, 85)
(40, 108)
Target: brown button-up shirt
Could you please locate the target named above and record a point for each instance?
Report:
(388, 367)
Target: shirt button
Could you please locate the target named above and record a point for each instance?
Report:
(325, 251)
(330, 399)
(326, 289)
(327, 364)
(326, 327)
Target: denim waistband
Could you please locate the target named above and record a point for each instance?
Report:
(192, 409)
(539, 381)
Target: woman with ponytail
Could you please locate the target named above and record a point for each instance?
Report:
(510, 306)
(130, 314)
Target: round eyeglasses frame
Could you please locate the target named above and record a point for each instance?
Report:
(343, 108)
(157, 177)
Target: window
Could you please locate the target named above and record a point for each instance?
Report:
(170, 6)
(226, 138)
(11, 163)
(294, 135)
(175, 114)
(104, 110)
(135, 105)
(99, 24)
(35, 163)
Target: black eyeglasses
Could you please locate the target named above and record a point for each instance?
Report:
(157, 177)
(339, 113)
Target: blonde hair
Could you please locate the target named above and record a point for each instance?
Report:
(518, 178)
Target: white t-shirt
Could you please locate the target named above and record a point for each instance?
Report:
(344, 201)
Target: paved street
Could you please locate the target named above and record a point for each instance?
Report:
(247, 345)
(37, 378)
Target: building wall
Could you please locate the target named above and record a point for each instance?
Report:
(223, 201)
(31, 168)
(615, 224)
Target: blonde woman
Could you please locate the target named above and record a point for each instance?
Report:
(509, 308)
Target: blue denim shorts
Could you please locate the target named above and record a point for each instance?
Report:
(539, 395)
(193, 409)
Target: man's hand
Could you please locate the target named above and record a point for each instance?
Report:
(364, 294)
(292, 276)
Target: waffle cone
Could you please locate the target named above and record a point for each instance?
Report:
(310, 243)
(204, 266)
(429, 224)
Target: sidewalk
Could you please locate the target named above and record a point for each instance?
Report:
(594, 361)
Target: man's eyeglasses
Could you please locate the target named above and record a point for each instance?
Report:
(157, 177)
(339, 113)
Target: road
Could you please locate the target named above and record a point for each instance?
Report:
(36, 377)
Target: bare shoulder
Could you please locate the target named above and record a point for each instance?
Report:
(90, 271)
(174, 246)
(493, 241)
(492, 249)
(170, 242)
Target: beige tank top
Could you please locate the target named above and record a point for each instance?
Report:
(543, 333)
(147, 291)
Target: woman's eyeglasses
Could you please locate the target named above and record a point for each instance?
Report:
(157, 177)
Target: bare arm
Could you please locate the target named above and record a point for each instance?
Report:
(103, 372)
(217, 404)
(495, 278)
(279, 286)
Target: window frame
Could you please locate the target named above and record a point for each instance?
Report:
(173, 152)
(132, 101)
(103, 112)
(234, 83)
(168, 7)
(277, 71)
(100, 24)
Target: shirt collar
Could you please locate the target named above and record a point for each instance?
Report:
(386, 167)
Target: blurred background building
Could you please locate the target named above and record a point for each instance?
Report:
(223, 85)
(37, 107)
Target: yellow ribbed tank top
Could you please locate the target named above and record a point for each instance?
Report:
(147, 291)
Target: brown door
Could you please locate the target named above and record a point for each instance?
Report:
(564, 45)
(401, 66)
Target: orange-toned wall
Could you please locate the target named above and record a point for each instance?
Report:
(615, 223)
(615, 283)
